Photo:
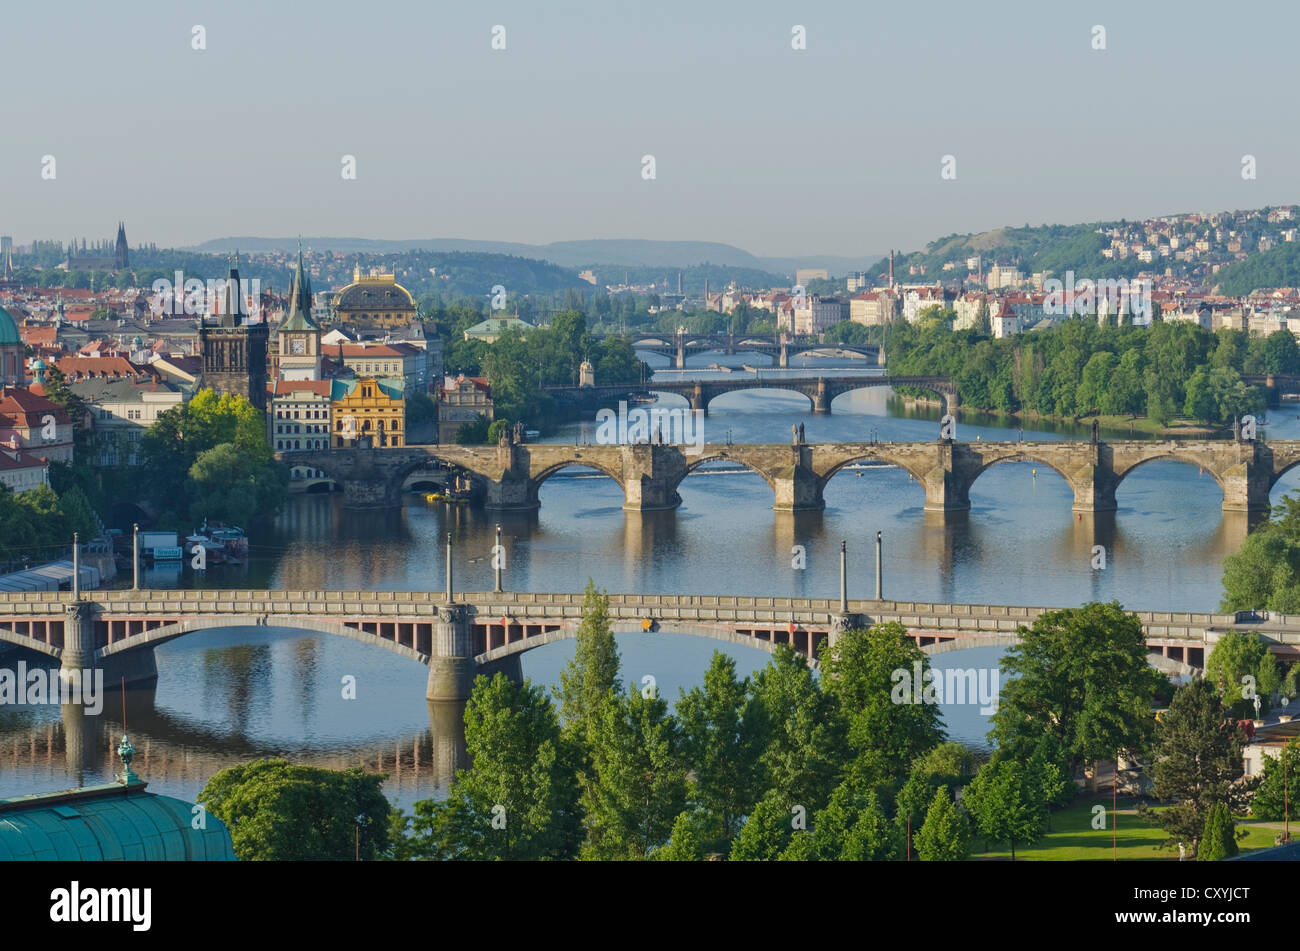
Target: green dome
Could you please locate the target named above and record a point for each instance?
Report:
(8, 330)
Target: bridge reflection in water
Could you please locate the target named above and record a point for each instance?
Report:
(179, 755)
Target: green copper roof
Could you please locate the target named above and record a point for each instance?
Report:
(300, 301)
(109, 822)
(8, 329)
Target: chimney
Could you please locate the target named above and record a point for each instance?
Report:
(891, 268)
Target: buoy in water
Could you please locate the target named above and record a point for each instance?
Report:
(1035, 473)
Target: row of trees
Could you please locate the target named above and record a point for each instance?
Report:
(1079, 368)
(787, 765)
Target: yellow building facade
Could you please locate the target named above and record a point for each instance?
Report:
(368, 412)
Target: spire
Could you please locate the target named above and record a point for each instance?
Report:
(300, 299)
(232, 311)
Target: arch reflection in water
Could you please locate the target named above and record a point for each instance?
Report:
(246, 694)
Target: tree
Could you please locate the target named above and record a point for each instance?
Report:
(520, 799)
(767, 830)
(1238, 666)
(1265, 571)
(804, 753)
(1079, 675)
(1275, 797)
(1005, 801)
(1219, 840)
(886, 731)
(278, 811)
(1198, 760)
(640, 778)
(1050, 775)
(945, 835)
(231, 487)
(724, 732)
(590, 681)
(851, 827)
(686, 841)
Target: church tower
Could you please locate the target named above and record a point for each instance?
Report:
(120, 257)
(234, 349)
(298, 335)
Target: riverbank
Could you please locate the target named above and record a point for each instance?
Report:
(1137, 425)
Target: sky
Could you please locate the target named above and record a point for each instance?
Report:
(832, 149)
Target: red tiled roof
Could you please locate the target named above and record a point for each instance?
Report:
(80, 368)
(21, 405)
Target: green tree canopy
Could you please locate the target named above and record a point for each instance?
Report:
(278, 811)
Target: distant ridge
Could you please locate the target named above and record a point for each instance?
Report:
(627, 252)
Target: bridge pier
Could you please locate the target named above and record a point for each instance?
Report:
(798, 487)
(367, 493)
(698, 399)
(651, 474)
(134, 667)
(1094, 489)
(946, 488)
(451, 661)
(1246, 486)
(822, 399)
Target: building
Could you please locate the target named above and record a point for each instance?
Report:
(374, 299)
(30, 422)
(401, 361)
(11, 352)
(873, 309)
(234, 349)
(1000, 277)
(819, 314)
(118, 260)
(120, 410)
(114, 821)
(299, 419)
(369, 413)
(298, 347)
(805, 274)
(490, 330)
(462, 400)
(20, 470)
(919, 298)
(1006, 322)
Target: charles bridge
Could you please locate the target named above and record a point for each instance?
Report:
(508, 476)
(460, 635)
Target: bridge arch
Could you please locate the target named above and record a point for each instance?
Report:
(723, 457)
(306, 623)
(536, 479)
(1029, 456)
(570, 629)
(22, 640)
(879, 454)
(1174, 455)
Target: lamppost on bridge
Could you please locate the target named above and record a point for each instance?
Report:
(451, 597)
(498, 558)
(135, 556)
(879, 568)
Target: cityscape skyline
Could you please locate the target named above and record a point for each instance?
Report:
(794, 151)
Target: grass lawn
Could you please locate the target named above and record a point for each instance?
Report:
(1074, 839)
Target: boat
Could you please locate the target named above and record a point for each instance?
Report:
(215, 551)
(432, 497)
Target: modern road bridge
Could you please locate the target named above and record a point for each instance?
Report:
(679, 346)
(459, 635)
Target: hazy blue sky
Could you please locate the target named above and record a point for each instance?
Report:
(835, 149)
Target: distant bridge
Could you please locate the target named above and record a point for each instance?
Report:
(781, 347)
(457, 636)
(509, 476)
(821, 390)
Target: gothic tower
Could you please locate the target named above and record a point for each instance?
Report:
(298, 336)
(120, 257)
(234, 349)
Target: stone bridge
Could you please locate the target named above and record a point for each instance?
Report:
(821, 391)
(457, 636)
(509, 476)
(682, 345)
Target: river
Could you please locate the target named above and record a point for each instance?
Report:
(227, 696)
